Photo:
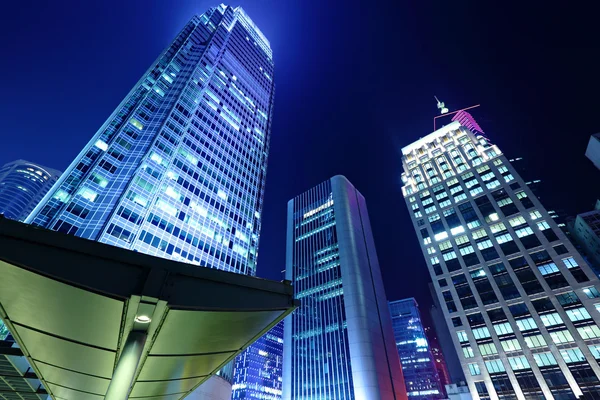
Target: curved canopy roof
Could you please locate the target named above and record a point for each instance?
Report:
(71, 304)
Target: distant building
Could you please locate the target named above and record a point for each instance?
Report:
(23, 184)
(339, 344)
(418, 363)
(452, 362)
(458, 392)
(258, 369)
(518, 299)
(585, 231)
(593, 150)
(438, 357)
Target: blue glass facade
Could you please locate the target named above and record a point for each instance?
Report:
(22, 185)
(418, 363)
(258, 369)
(178, 170)
(339, 343)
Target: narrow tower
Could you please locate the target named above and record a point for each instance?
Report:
(339, 345)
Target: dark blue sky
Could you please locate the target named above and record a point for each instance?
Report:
(355, 82)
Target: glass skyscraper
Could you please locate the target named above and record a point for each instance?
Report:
(178, 170)
(258, 371)
(22, 185)
(520, 302)
(339, 344)
(418, 364)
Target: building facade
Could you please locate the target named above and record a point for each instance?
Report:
(593, 150)
(446, 345)
(22, 186)
(178, 170)
(339, 344)
(418, 363)
(258, 371)
(585, 231)
(519, 301)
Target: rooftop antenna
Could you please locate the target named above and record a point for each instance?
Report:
(441, 106)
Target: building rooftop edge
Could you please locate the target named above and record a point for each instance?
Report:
(429, 138)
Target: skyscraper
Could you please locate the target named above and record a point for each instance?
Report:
(178, 170)
(22, 185)
(519, 301)
(258, 371)
(585, 232)
(418, 364)
(593, 150)
(339, 344)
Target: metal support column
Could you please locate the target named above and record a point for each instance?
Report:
(122, 378)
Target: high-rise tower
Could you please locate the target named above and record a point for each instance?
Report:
(520, 302)
(22, 185)
(339, 345)
(418, 363)
(178, 170)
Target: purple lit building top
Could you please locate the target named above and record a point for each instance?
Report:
(467, 120)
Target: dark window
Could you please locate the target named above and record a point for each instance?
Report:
(442, 283)
(560, 249)
(519, 310)
(550, 235)
(543, 305)
(579, 275)
(456, 321)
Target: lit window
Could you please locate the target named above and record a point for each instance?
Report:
(498, 227)
(488, 349)
(481, 333)
(535, 341)
(441, 236)
(101, 145)
(563, 336)
(166, 207)
(570, 262)
(462, 336)
(595, 350)
(88, 194)
(468, 352)
(548, 268)
(503, 328)
(535, 214)
(474, 369)
(526, 324)
(136, 123)
(524, 232)
(589, 332)
(572, 355)
(578, 314)
(591, 292)
(542, 226)
(518, 363)
(551, 319)
(61, 195)
(494, 366)
(517, 221)
(544, 359)
(510, 345)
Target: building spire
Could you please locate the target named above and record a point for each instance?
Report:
(441, 106)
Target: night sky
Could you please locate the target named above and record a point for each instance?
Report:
(354, 84)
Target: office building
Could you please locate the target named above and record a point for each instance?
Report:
(178, 170)
(585, 232)
(593, 150)
(438, 357)
(518, 299)
(22, 185)
(258, 371)
(418, 364)
(339, 344)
